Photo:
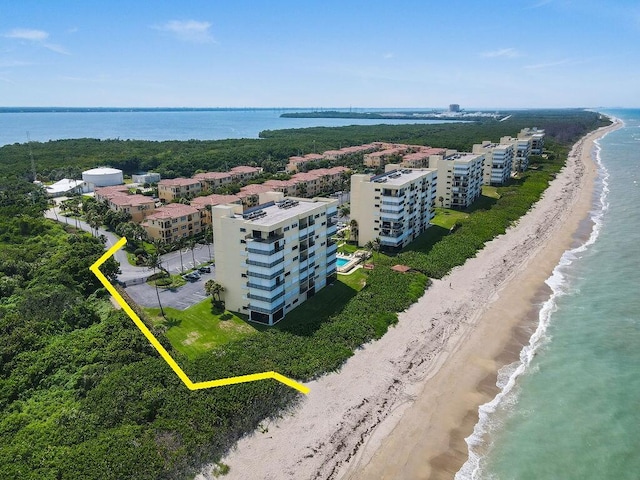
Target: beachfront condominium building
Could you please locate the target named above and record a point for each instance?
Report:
(173, 222)
(175, 188)
(395, 206)
(459, 179)
(273, 257)
(498, 162)
(521, 152)
(537, 139)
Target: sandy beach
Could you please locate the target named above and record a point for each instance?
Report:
(401, 407)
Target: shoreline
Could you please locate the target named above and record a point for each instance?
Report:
(402, 406)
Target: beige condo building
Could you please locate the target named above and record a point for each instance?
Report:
(395, 207)
(459, 179)
(273, 257)
(498, 162)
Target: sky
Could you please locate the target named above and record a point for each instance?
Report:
(320, 54)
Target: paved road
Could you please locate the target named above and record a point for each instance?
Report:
(135, 277)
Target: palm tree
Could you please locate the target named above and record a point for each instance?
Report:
(344, 211)
(353, 226)
(441, 200)
(191, 245)
(154, 261)
(208, 239)
(213, 288)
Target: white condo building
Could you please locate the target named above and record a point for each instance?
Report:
(521, 152)
(273, 257)
(459, 179)
(396, 206)
(498, 162)
(537, 139)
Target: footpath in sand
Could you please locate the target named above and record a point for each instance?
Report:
(402, 406)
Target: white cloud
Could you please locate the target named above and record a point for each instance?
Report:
(56, 48)
(538, 66)
(188, 31)
(27, 34)
(37, 37)
(503, 52)
(387, 56)
(541, 3)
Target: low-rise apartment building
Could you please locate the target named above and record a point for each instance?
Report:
(204, 204)
(498, 162)
(273, 257)
(459, 179)
(175, 188)
(396, 206)
(213, 180)
(118, 199)
(296, 163)
(172, 222)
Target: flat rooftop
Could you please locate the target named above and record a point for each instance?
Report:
(400, 177)
(273, 214)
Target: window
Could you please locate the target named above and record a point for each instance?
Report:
(286, 229)
(295, 258)
(295, 225)
(243, 230)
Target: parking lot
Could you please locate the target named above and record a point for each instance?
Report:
(180, 298)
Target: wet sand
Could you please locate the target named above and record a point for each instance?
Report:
(401, 407)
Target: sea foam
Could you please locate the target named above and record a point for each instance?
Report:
(479, 442)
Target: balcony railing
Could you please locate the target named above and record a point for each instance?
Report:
(265, 264)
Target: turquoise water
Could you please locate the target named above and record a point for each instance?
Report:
(571, 408)
(341, 262)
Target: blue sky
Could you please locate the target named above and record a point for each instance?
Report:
(237, 53)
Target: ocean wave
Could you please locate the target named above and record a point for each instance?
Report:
(479, 441)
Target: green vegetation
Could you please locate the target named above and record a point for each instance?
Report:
(82, 393)
(67, 158)
(200, 328)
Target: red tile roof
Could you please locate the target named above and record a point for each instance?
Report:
(178, 182)
(172, 210)
(200, 202)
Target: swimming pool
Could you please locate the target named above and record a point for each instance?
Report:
(341, 262)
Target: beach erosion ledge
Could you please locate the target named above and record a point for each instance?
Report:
(402, 406)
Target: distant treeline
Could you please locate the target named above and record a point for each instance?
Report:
(68, 158)
(374, 115)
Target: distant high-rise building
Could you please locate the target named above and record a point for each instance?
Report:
(454, 107)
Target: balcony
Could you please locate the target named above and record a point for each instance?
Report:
(265, 276)
(265, 264)
(267, 311)
(269, 239)
(266, 288)
(270, 299)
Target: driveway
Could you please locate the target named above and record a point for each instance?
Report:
(134, 278)
(181, 298)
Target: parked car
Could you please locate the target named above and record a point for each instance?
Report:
(192, 277)
(204, 269)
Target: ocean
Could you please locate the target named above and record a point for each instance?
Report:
(162, 124)
(570, 408)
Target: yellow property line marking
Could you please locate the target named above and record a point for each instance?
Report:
(95, 268)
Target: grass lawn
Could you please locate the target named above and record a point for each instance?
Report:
(489, 191)
(446, 217)
(197, 329)
(306, 318)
